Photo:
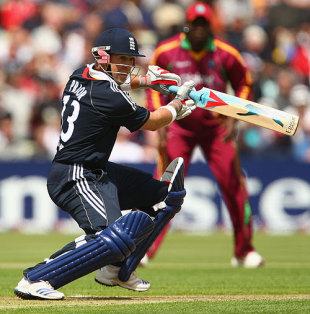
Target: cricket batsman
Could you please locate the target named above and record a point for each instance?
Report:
(94, 191)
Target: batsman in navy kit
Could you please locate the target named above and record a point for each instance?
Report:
(94, 191)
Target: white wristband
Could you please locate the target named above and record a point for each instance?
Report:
(172, 110)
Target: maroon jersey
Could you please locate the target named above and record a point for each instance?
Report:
(213, 67)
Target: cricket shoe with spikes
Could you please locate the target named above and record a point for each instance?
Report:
(40, 290)
(250, 260)
(174, 175)
(108, 276)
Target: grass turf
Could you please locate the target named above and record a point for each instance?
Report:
(190, 274)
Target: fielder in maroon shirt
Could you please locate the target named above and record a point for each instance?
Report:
(211, 62)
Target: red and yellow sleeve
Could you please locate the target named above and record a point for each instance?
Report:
(161, 57)
(238, 74)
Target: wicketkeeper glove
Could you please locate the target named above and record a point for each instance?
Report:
(157, 79)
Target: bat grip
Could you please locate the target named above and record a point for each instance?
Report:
(174, 89)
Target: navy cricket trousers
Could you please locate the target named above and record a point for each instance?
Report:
(95, 198)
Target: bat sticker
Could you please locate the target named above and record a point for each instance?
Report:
(211, 100)
(253, 110)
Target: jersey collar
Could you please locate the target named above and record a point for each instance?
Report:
(98, 75)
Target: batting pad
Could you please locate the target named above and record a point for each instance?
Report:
(174, 175)
(174, 178)
(174, 202)
(111, 245)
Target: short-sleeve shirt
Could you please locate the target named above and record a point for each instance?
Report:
(94, 109)
(213, 67)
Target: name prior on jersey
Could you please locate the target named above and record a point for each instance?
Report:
(78, 89)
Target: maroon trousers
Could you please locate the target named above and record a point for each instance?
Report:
(223, 161)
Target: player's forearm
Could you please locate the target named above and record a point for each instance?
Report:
(135, 82)
(140, 81)
(242, 83)
(155, 78)
(161, 117)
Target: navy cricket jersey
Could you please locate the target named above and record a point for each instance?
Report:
(94, 109)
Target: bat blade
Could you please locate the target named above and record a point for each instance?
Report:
(244, 110)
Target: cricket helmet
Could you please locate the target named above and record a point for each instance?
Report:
(117, 41)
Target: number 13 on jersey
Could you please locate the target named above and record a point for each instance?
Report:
(69, 114)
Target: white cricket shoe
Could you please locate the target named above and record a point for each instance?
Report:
(108, 276)
(37, 290)
(251, 260)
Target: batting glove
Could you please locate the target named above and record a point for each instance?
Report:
(185, 89)
(188, 107)
(180, 108)
(157, 79)
(188, 104)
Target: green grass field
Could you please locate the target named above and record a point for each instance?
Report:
(190, 274)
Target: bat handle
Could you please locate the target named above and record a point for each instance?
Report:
(193, 94)
(173, 89)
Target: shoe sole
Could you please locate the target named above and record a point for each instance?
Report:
(117, 285)
(27, 296)
(24, 296)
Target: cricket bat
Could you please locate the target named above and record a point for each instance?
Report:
(245, 110)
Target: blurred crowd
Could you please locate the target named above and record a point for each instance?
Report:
(42, 42)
